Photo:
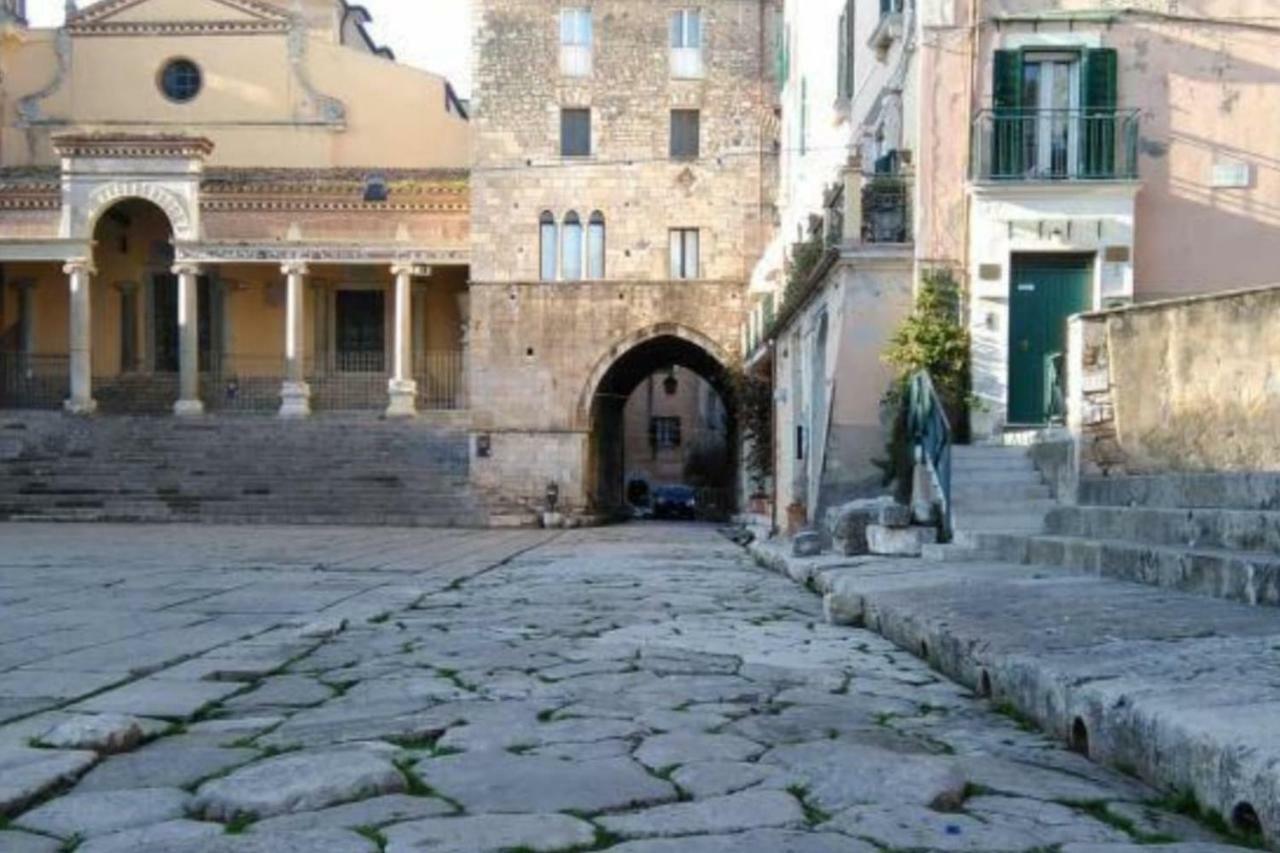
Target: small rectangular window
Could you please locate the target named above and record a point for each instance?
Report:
(575, 133)
(666, 433)
(685, 134)
(684, 253)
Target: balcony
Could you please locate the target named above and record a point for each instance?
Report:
(1055, 145)
(882, 213)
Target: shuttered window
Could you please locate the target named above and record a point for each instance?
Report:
(547, 245)
(685, 134)
(595, 246)
(571, 252)
(575, 133)
(684, 253)
(844, 61)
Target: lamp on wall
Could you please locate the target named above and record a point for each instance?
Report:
(671, 384)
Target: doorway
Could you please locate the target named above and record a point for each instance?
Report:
(1044, 291)
(164, 306)
(361, 335)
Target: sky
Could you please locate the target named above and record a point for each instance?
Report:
(431, 34)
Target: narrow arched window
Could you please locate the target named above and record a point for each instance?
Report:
(571, 252)
(547, 245)
(595, 246)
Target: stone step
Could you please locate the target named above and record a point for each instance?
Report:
(1013, 491)
(1236, 530)
(1248, 578)
(1185, 491)
(350, 469)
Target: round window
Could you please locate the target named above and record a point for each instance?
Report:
(180, 80)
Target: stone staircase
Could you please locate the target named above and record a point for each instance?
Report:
(1210, 534)
(325, 470)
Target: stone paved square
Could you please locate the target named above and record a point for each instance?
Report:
(642, 689)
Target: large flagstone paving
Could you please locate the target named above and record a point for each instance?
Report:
(641, 689)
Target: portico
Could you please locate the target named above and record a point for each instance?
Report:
(155, 296)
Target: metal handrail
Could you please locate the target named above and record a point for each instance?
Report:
(930, 434)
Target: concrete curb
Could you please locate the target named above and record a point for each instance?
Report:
(1179, 690)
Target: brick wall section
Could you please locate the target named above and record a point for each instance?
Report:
(534, 346)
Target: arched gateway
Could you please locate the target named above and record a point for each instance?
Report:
(616, 378)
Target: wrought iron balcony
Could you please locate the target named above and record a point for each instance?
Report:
(1055, 145)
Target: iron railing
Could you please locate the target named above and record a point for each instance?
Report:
(236, 383)
(34, 381)
(1055, 380)
(886, 209)
(441, 378)
(1055, 145)
(930, 433)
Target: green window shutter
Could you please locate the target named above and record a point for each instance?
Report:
(1008, 125)
(1098, 100)
(842, 59)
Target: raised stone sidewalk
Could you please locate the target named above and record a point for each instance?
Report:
(1180, 690)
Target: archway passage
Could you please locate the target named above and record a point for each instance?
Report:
(135, 309)
(661, 362)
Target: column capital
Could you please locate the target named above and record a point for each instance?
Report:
(298, 267)
(79, 266)
(186, 268)
(406, 268)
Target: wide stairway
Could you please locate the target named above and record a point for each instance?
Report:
(1210, 534)
(324, 470)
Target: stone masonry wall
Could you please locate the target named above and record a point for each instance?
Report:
(1186, 385)
(535, 346)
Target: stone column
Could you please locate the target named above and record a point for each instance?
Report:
(189, 403)
(295, 395)
(81, 402)
(402, 389)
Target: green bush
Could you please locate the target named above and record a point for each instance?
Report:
(754, 404)
(932, 338)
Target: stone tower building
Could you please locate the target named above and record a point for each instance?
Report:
(623, 159)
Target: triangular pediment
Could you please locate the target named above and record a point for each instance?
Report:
(125, 17)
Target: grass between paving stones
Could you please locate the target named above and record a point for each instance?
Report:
(813, 815)
(1185, 803)
(416, 787)
(1021, 720)
(1098, 811)
(238, 824)
(373, 834)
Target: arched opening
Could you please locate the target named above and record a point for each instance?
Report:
(1245, 820)
(1080, 737)
(135, 309)
(662, 415)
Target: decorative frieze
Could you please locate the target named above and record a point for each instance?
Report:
(333, 253)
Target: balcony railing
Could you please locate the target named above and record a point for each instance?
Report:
(34, 381)
(1055, 145)
(886, 209)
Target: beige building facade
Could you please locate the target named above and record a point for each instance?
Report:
(620, 197)
(1117, 155)
(228, 205)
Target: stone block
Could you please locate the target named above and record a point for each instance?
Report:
(807, 543)
(899, 542)
(847, 524)
(895, 515)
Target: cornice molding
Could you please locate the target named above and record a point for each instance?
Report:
(96, 20)
(132, 146)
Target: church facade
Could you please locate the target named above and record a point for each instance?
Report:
(222, 208)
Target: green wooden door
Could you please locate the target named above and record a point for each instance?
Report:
(1044, 291)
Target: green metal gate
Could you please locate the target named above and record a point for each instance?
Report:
(1044, 291)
